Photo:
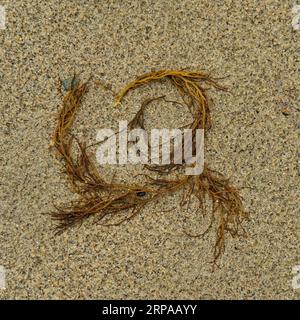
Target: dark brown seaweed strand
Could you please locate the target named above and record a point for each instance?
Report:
(106, 200)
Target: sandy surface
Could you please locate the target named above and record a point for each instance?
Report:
(255, 139)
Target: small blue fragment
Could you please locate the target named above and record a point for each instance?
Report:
(69, 83)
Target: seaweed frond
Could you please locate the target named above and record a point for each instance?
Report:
(112, 203)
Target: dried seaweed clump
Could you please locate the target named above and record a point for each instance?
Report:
(104, 200)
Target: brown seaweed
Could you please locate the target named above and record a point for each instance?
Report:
(104, 200)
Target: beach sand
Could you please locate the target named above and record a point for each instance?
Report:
(255, 139)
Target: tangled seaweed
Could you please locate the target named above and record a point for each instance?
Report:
(103, 200)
